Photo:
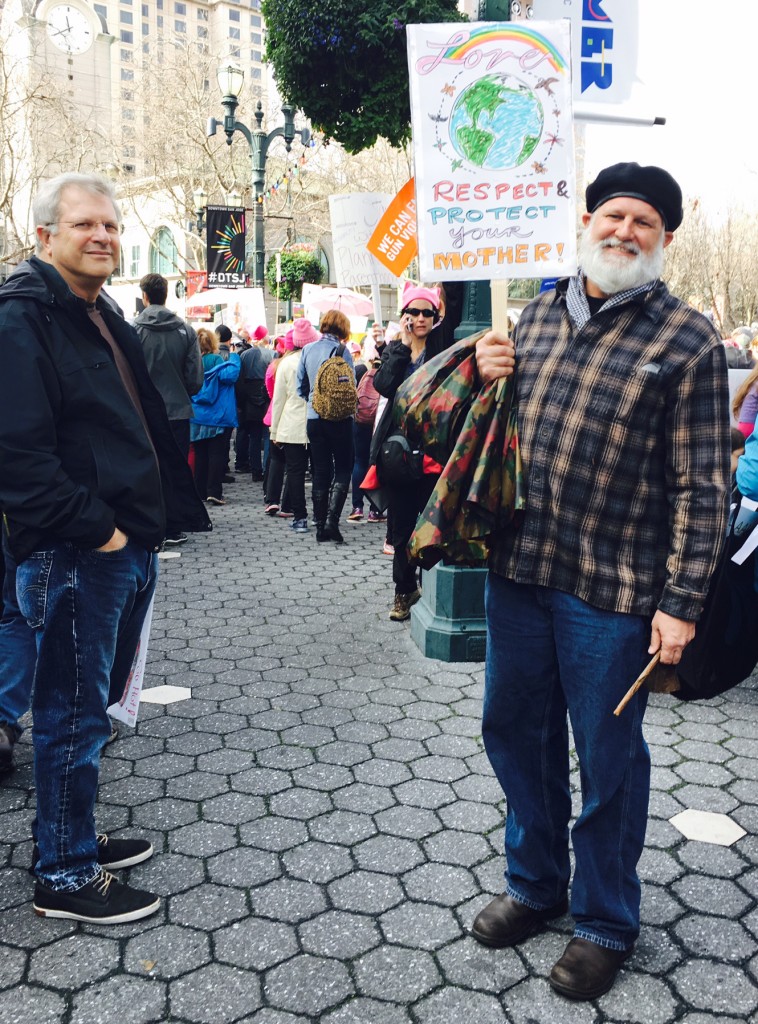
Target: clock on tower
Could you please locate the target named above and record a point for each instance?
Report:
(69, 28)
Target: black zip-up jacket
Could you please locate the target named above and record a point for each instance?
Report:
(75, 460)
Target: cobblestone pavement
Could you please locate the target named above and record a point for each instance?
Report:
(327, 825)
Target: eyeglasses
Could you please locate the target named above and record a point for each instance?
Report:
(412, 311)
(88, 227)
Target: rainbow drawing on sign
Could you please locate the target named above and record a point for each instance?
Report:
(466, 47)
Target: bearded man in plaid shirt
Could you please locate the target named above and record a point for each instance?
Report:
(624, 431)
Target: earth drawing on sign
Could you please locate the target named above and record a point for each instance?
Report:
(496, 122)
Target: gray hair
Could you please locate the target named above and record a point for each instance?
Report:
(46, 204)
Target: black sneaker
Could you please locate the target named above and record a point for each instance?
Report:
(174, 539)
(104, 900)
(113, 854)
(8, 738)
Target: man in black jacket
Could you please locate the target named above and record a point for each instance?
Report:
(90, 481)
(172, 354)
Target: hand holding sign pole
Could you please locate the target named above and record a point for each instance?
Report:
(493, 151)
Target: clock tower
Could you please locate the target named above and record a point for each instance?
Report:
(70, 28)
(56, 71)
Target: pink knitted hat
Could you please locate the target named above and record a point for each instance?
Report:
(260, 333)
(303, 332)
(412, 292)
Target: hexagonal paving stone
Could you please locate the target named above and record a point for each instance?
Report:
(419, 925)
(202, 839)
(365, 891)
(167, 952)
(74, 961)
(206, 903)
(388, 854)
(215, 993)
(288, 900)
(392, 972)
(707, 827)
(255, 944)
(308, 984)
(318, 862)
(49, 1008)
(243, 867)
(368, 1011)
(718, 988)
(440, 883)
(339, 934)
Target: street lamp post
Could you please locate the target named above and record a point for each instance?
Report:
(200, 200)
(230, 78)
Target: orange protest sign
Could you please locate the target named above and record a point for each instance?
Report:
(394, 241)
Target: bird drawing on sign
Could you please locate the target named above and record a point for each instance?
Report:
(545, 83)
(538, 167)
(448, 90)
(439, 144)
(437, 118)
(457, 164)
(553, 140)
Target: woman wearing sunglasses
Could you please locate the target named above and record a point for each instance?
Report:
(420, 314)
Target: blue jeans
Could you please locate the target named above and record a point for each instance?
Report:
(362, 433)
(18, 652)
(86, 609)
(549, 653)
(257, 440)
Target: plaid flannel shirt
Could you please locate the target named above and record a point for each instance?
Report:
(624, 430)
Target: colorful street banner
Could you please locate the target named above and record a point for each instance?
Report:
(394, 241)
(604, 45)
(225, 246)
(354, 217)
(493, 145)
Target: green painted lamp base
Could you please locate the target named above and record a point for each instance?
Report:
(448, 623)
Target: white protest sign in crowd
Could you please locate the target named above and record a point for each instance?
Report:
(493, 150)
(354, 217)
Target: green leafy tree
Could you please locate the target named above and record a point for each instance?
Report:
(299, 264)
(344, 63)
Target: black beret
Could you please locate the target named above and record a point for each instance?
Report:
(651, 184)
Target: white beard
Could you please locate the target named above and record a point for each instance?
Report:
(613, 273)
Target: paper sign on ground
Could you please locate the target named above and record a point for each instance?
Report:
(125, 710)
(354, 217)
(493, 150)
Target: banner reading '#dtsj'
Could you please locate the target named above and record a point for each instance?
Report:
(493, 150)
(225, 246)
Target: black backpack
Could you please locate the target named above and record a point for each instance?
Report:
(724, 650)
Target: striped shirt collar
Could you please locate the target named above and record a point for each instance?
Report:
(579, 308)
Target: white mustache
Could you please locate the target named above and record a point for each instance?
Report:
(615, 243)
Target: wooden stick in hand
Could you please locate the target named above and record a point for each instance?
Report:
(638, 682)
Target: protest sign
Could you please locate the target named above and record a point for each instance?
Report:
(493, 150)
(126, 708)
(604, 45)
(394, 241)
(354, 217)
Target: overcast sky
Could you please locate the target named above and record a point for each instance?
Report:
(698, 67)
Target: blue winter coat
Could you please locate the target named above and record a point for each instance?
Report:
(747, 469)
(215, 404)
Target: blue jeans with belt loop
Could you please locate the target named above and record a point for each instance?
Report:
(548, 654)
(86, 609)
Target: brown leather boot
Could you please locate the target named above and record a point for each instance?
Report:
(505, 921)
(586, 970)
